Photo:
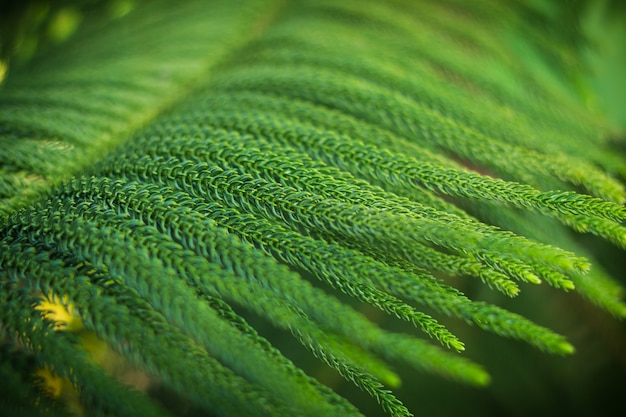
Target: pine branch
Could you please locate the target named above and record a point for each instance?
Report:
(132, 326)
(108, 248)
(61, 112)
(58, 351)
(426, 172)
(410, 119)
(289, 207)
(259, 272)
(167, 171)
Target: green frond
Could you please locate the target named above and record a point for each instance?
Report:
(331, 263)
(407, 118)
(376, 223)
(71, 109)
(291, 48)
(368, 161)
(21, 389)
(596, 285)
(404, 279)
(220, 193)
(259, 272)
(330, 396)
(131, 325)
(169, 296)
(63, 356)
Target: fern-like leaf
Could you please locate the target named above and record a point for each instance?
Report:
(217, 190)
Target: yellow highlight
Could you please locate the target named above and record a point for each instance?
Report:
(52, 382)
(62, 314)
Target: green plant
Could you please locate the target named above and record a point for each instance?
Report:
(179, 174)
